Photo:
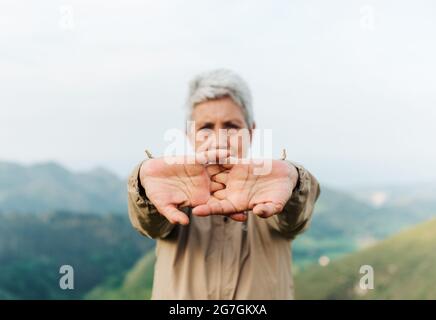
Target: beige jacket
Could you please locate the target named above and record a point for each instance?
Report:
(215, 257)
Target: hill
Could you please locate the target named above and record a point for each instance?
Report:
(404, 268)
(48, 186)
(136, 284)
(343, 224)
(33, 247)
(335, 231)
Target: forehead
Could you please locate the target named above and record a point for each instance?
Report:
(223, 109)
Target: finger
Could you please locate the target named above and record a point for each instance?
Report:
(214, 169)
(240, 216)
(174, 215)
(215, 186)
(206, 209)
(265, 210)
(220, 207)
(220, 194)
(221, 177)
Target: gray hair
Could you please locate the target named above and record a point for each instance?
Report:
(217, 84)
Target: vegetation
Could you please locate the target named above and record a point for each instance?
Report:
(33, 247)
(49, 187)
(404, 268)
(136, 284)
(52, 217)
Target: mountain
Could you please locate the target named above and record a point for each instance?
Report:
(135, 284)
(397, 195)
(34, 246)
(48, 186)
(342, 212)
(339, 225)
(40, 231)
(404, 268)
(419, 199)
(342, 223)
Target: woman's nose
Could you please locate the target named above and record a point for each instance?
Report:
(221, 139)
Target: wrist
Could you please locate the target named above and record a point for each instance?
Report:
(294, 175)
(141, 178)
(296, 178)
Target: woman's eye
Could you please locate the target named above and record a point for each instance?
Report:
(206, 127)
(232, 126)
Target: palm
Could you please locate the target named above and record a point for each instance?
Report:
(264, 194)
(175, 182)
(170, 186)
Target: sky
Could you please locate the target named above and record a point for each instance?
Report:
(348, 87)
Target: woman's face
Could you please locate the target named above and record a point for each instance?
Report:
(220, 124)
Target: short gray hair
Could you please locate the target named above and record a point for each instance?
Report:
(217, 84)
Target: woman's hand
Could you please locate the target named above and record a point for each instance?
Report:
(175, 182)
(264, 194)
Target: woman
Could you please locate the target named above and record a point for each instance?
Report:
(223, 231)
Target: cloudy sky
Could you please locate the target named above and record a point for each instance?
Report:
(348, 87)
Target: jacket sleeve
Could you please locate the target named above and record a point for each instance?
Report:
(297, 213)
(142, 213)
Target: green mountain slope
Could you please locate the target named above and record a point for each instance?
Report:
(338, 224)
(133, 285)
(48, 186)
(36, 244)
(343, 224)
(33, 247)
(404, 268)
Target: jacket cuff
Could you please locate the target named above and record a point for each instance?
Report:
(301, 189)
(135, 188)
(298, 210)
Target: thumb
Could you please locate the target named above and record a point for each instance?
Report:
(174, 215)
(265, 210)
